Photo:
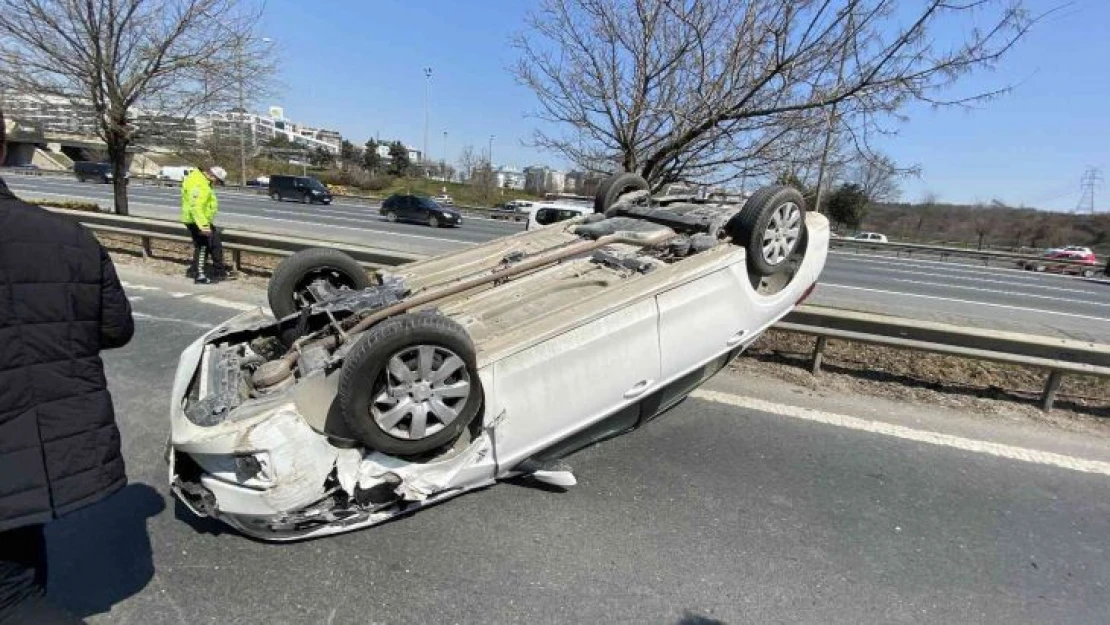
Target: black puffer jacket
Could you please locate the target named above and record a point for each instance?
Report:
(60, 304)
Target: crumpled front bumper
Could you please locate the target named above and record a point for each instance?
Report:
(265, 471)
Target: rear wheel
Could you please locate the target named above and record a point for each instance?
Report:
(410, 385)
(612, 188)
(309, 276)
(1088, 273)
(391, 216)
(275, 196)
(770, 227)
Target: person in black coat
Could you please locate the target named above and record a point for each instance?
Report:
(60, 304)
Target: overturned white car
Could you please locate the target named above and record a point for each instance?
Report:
(365, 397)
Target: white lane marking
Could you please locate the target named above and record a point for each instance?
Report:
(226, 303)
(1014, 293)
(135, 298)
(178, 295)
(961, 301)
(138, 287)
(174, 320)
(999, 450)
(1030, 279)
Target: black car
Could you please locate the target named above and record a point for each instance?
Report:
(419, 208)
(303, 189)
(97, 172)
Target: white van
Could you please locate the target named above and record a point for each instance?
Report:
(543, 214)
(176, 173)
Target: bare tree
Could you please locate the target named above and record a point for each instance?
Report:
(720, 89)
(137, 63)
(878, 176)
(468, 161)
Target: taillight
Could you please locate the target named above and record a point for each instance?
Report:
(806, 294)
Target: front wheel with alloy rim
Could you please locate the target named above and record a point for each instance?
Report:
(433, 221)
(410, 385)
(311, 275)
(770, 227)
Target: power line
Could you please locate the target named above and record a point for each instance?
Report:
(1092, 179)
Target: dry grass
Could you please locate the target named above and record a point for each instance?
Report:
(914, 376)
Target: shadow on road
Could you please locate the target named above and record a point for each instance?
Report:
(101, 555)
(690, 618)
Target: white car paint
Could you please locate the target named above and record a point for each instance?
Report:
(542, 384)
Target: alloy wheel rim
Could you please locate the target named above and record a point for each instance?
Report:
(420, 391)
(782, 232)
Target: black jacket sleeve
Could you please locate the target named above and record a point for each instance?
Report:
(116, 324)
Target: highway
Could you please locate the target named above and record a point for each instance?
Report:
(991, 297)
(728, 509)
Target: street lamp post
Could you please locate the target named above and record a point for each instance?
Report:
(427, 85)
(489, 183)
(443, 163)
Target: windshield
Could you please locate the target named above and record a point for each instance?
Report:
(313, 183)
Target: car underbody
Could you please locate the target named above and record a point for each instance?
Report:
(260, 437)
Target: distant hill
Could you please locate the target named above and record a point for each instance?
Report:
(993, 226)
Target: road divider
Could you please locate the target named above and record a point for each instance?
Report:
(1058, 357)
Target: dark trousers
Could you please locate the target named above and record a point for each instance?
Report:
(204, 247)
(23, 580)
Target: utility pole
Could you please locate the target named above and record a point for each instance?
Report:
(443, 163)
(830, 127)
(427, 85)
(1092, 178)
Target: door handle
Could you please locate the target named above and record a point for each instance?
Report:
(638, 389)
(736, 338)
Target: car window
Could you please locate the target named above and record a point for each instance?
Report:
(546, 216)
(425, 203)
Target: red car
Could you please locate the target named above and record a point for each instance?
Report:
(1087, 269)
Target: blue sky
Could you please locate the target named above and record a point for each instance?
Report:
(356, 66)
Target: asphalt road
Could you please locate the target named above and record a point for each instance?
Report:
(990, 297)
(711, 514)
(342, 222)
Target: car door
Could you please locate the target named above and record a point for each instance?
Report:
(573, 381)
(409, 209)
(704, 318)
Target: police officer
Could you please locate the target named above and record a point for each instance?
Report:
(198, 209)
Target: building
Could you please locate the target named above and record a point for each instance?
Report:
(540, 179)
(509, 178)
(414, 155)
(261, 129)
(55, 115)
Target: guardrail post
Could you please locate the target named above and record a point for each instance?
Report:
(145, 244)
(1050, 389)
(818, 354)
(237, 259)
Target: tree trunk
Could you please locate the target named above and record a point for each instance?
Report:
(981, 240)
(117, 155)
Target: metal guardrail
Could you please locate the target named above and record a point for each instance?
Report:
(1056, 355)
(986, 256)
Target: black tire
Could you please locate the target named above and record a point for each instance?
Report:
(305, 199)
(433, 221)
(750, 225)
(391, 216)
(275, 196)
(364, 374)
(611, 188)
(293, 274)
(1088, 273)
